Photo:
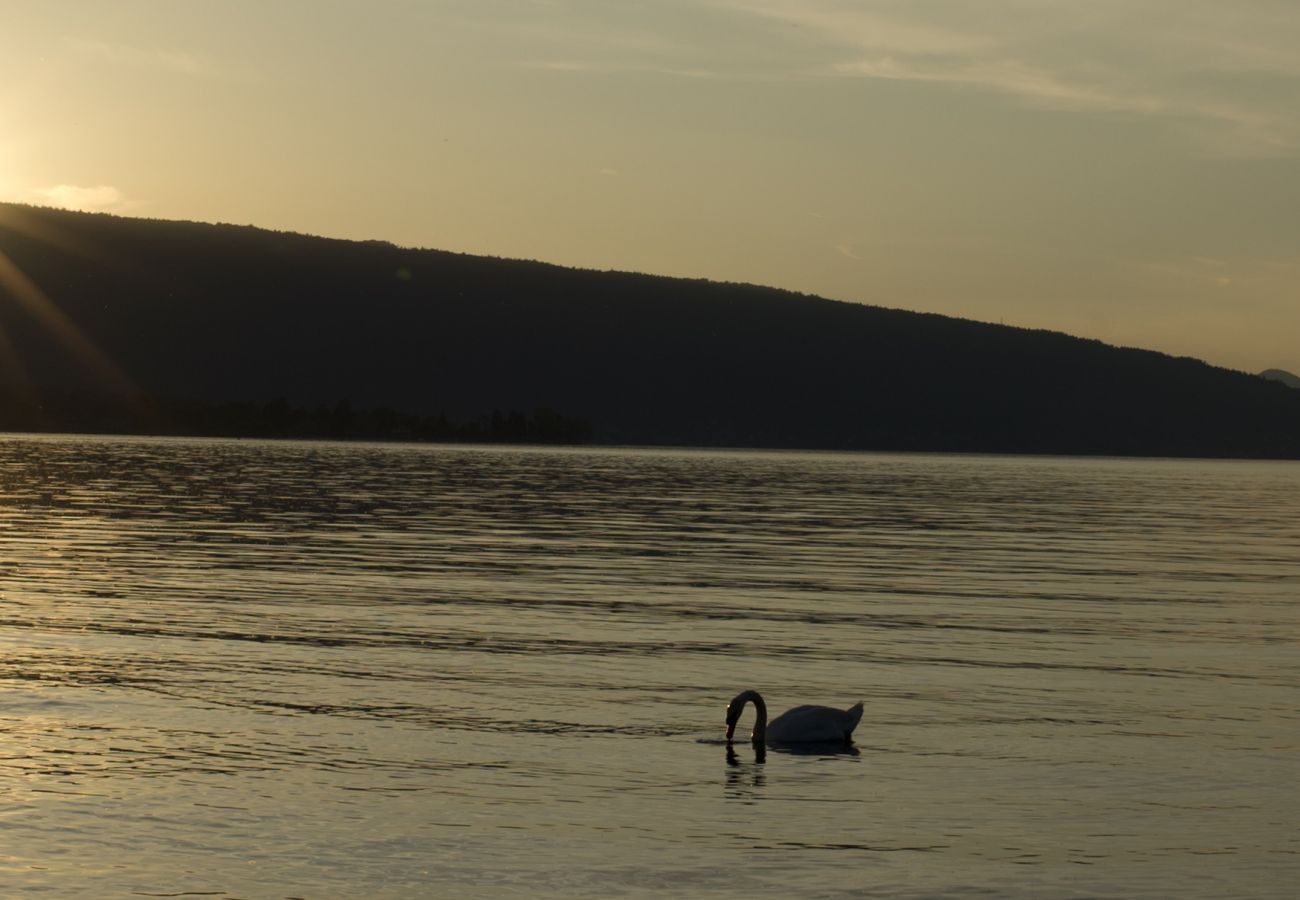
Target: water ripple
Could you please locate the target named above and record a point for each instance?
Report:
(281, 669)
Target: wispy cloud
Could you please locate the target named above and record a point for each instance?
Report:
(1226, 74)
(608, 67)
(1009, 76)
(100, 198)
(670, 38)
(174, 61)
(867, 26)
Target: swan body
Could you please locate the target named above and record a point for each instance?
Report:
(801, 725)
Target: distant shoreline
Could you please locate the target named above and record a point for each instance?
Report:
(148, 326)
(604, 446)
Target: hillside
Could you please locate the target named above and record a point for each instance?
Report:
(1281, 375)
(188, 317)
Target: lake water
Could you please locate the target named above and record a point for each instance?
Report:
(275, 670)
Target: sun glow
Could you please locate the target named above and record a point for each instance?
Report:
(8, 186)
(97, 198)
(11, 186)
(15, 187)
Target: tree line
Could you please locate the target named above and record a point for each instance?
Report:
(96, 413)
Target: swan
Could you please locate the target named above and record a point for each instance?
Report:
(801, 725)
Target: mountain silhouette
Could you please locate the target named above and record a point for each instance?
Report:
(1281, 375)
(121, 324)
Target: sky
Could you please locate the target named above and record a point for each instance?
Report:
(1127, 170)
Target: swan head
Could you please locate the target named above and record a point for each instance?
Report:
(737, 706)
(733, 716)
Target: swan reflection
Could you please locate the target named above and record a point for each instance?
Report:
(745, 779)
(733, 759)
(817, 748)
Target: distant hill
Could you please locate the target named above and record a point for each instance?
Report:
(232, 329)
(1281, 375)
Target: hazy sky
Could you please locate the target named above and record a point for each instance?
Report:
(1121, 169)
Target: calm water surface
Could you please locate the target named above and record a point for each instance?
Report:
(274, 670)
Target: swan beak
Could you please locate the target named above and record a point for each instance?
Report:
(731, 729)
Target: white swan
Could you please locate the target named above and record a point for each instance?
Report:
(801, 725)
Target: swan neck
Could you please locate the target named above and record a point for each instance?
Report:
(737, 706)
(760, 719)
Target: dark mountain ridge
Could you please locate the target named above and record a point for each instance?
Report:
(204, 315)
(1282, 376)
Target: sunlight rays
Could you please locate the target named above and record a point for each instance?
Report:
(17, 287)
(12, 372)
(19, 218)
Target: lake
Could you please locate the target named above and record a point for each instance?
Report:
(283, 670)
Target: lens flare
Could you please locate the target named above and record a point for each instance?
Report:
(17, 288)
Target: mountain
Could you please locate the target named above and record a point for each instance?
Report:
(1281, 375)
(119, 324)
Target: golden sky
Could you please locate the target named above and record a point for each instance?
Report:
(1121, 169)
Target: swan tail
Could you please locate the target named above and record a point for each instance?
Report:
(855, 716)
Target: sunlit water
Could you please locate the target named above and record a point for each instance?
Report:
(325, 670)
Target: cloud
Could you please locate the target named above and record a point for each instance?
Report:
(1034, 85)
(563, 65)
(862, 26)
(100, 198)
(177, 62)
(1225, 74)
(592, 67)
